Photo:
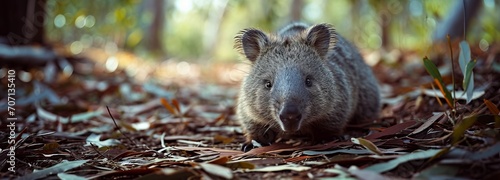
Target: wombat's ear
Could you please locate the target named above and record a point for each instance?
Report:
(250, 43)
(322, 38)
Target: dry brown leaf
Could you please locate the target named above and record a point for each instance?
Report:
(428, 123)
(391, 130)
(285, 167)
(492, 107)
(367, 144)
(220, 161)
(217, 170)
(175, 103)
(167, 105)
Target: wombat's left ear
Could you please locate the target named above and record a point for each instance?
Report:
(250, 42)
(322, 38)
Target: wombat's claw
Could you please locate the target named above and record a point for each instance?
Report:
(247, 147)
(253, 144)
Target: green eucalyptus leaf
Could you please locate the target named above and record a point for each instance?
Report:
(438, 170)
(460, 128)
(432, 70)
(58, 168)
(386, 166)
(464, 56)
(468, 83)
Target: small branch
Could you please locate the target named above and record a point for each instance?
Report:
(453, 109)
(117, 127)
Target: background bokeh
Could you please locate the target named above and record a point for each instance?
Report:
(203, 30)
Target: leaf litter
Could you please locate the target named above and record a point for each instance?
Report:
(109, 125)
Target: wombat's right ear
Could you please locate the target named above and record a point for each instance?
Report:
(321, 37)
(250, 43)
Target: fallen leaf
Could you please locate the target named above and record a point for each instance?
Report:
(167, 105)
(386, 166)
(367, 144)
(51, 147)
(437, 171)
(223, 139)
(492, 107)
(81, 117)
(484, 154)
(260, 161)
(220, 160)
(428, 123)
(217, 170)
(460, 128)
(366, 174)
(175, 103)
(134, 110)
(181, 137)
(58, 168)
(285, 167)
(298, 159)
(157, 90)
(192, 143)
(168, 173)
(94, 139)
(240, 165)
(340, 172)
(460, 94)
(139, 126)
(64, 176)
(222, 152)
(151, 173)
(276, 147)
(391, 130)
(345, 151)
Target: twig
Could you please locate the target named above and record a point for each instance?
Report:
(96, 150)
(116, 125)
(453, 110)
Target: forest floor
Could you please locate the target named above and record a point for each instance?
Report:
(177, 121)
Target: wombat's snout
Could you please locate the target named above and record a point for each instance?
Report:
(290, 116)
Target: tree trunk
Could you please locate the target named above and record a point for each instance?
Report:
(155, 35)
(212, 26)
(296, 10)
(22, 22)
(453, 25)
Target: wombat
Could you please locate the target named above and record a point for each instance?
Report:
(305, 82)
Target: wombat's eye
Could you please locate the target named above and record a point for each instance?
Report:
(308, 82)
(268, 84)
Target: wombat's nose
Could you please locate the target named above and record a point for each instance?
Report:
(290, 116)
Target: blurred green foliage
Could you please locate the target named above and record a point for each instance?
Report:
(204, 29)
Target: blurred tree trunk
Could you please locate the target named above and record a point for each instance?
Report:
(22, 22)
(353, 24)
(385, 17)
(22, 34)
(453, 24)
(155, 31)
(296, 10)
(385, 21)
(212, 25)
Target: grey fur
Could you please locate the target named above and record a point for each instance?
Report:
(304, 82)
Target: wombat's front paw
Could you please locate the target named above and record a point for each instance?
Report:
(247, 146)
(263, 138)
